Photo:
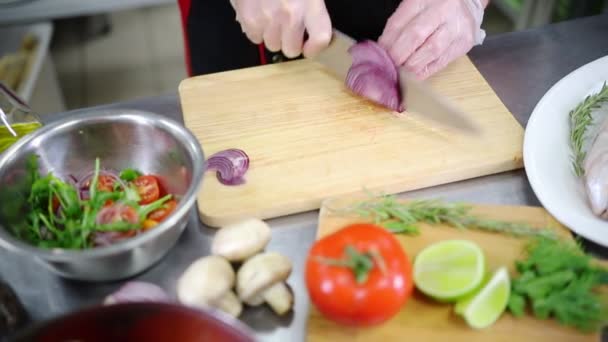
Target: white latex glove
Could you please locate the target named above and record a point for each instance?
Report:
(426, 35)
(281, 24)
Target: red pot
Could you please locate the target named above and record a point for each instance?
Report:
(148, 322)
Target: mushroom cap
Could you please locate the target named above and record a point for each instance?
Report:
(241, 240)
(205, 281)
(260, 273)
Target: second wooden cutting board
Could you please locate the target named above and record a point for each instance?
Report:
(309, 138)
(423, 319)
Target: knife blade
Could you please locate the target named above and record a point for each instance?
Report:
(418, 96)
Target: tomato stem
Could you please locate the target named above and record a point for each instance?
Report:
(361, 263)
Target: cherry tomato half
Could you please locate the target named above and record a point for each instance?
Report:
(162, 213)
(147, 188)
(55, 202)
(117, 213)
(104, 183)
(336, 291)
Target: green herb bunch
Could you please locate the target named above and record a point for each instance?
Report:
(558, 280)
(580, 120)
(72, 226)
(404, 217)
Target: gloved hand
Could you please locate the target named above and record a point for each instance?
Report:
(426, 35)
(280, 24)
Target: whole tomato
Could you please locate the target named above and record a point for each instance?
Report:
(359, 275)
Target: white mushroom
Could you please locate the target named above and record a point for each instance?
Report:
(208, 282)
(262, 279)
(242, 240)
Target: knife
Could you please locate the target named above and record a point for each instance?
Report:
(418, 96)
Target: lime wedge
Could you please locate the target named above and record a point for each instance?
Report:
(485, 307)
(449, 270)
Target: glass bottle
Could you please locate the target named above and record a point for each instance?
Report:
(16, 118)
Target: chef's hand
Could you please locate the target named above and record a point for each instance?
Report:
(280, 24)
(426, 35)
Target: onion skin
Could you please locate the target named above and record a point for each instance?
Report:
(137, 291)
(374, 75)
(230, 166)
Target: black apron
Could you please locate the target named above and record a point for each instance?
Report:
(216, 42)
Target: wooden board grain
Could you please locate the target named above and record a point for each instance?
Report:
(309, 138)
(422, 319)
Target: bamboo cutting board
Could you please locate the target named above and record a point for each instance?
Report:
(422, 319)
(309, 138)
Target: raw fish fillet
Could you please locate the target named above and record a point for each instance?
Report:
(596, 173)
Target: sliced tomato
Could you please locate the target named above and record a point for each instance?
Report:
(162, 213)
(55, 203)
(147, 188)
(104, 183)
(162, 188)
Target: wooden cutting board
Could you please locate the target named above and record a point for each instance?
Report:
(309, 138)
(421, 319)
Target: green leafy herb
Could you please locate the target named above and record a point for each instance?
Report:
(129, 174)
(403, 217)
(145, 210)
(58, 218)
(580, 120)
(558, 280)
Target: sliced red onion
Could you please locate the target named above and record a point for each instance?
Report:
(83, 186)
(371, 52)
(137, 291)
(374, 75)
(101, 239)
(73, 179)
(371, 83)
(231, 165)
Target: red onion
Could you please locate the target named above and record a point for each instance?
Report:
(83, 184)
(370, 52)
(231, 165)
(101, 239)
(137, 291)
(374, 75)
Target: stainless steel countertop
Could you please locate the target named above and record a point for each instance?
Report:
(520, 67)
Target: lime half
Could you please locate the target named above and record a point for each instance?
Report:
(449, 270)
(485, 307)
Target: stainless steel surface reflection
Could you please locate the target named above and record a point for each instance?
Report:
(120, 139)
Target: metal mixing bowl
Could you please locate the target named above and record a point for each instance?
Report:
(121, 139)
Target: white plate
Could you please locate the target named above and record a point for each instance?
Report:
(547, 154)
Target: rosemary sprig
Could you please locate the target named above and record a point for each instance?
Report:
(403, 217)
(580, 119)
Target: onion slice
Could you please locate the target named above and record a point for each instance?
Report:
(231, 166)
(81, 183)
(374, 75)
(137, 291)
(370, 52)
(102, 239)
